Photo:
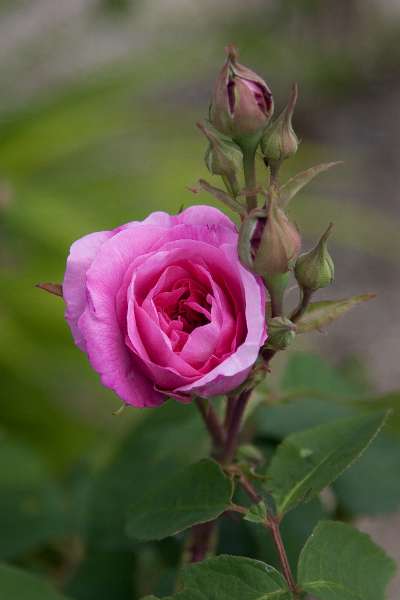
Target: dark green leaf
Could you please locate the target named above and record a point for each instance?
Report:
(232, 578)
(168, 439)
(340, 563)
(372, 485)
(16, 584)
(31, 506)
(308, 461)
(197, 494)
(320, 314)
(104, 576)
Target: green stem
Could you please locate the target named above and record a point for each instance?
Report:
(249, 166)
(303, 304)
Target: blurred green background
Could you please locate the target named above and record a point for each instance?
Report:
(98, 104)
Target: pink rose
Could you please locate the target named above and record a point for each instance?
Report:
(163, 307)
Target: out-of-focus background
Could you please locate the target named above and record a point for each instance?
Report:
(98, 104)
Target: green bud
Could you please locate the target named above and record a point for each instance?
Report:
(276, 242)
(315, 269)
(281, 333)
(223, 157)
(279, 141)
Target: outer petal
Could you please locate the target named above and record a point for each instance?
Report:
(203, 215)
(105, 340)
(81, 256)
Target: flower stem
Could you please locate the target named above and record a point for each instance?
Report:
(203, 537)
(249, 166)
(212, 423)
(303, 304)
(232, 433)
(272, 523)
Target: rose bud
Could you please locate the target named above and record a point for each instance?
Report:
(223, 157)
(242, 103)
(277, 244)
(281, 333)
(315, 269)
(279, 141)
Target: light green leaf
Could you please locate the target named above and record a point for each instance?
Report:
(340, 563)
(296, 183)
(308, 461)
(320, 314)
(257, 513)
(197, 494)
(16, 584)
(232, 578)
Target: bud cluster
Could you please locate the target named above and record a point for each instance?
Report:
(240, 127)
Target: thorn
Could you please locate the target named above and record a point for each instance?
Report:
(52, 288)
(119, 410)
(194, 190)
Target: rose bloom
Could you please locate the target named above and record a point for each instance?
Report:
(163, 307)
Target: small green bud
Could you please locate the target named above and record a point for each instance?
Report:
(279, 141)
(281, 333)
(315, 269)
(223, 157)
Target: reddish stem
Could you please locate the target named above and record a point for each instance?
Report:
(212, 422)
(234, 427)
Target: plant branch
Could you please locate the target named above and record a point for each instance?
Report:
(201, 542)
(303, 304)
(212, 422)
(249, 167)
(232, 433)
(273, 525)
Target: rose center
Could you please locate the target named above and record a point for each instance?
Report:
(183, 308)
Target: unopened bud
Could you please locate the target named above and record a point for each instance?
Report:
(315, 269)
(223, 157)
(276, 242)
(281, 333)
(242, 103)
(279, 141)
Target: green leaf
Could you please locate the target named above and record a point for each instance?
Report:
(232, 578)
(296, 183)
(32, 507)
(197, 494)
(372, 485)
(257, 513)
(340, 563)
(104, 575)
(16, 584)
(320, 314)
(308, 461)
(165, 441)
